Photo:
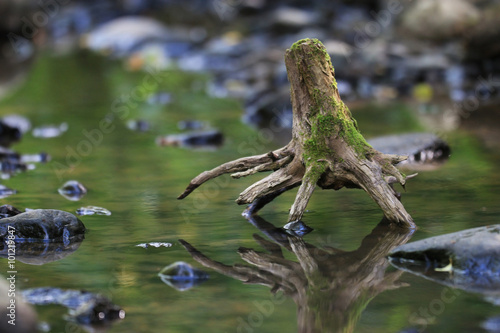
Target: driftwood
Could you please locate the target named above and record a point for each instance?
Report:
(326, 150)
(330, 287)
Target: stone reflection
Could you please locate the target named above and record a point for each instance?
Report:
(40, 253)
(330, 287)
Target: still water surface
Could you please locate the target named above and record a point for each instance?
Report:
(138, 181)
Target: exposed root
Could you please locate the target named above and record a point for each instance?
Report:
(326, 150)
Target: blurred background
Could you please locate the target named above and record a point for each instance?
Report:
(135, 98)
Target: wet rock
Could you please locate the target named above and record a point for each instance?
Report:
(182, 276)
(8, 134)
(121, 36)
(40, 253)
(49, 131)
(139, 125)
(5, 191)
(48, 225)
(16, 121)
(24, 317)
(297, 228)
(12, 162)
(84, 307)
(91, 210)
(207, 139)
(72, 190)
(468, 259)
(8, 211)
(440, 19)
(154, 244)
(424, 150)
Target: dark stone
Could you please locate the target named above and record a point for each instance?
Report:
(85, 307)
(421, 148)
(297, 228)
(206, 139)
(47, 225)
(72, 190)
(8, 135)
(182, 276)
(468, 259)
(8, 211)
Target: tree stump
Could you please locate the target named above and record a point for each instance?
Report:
(326, 150)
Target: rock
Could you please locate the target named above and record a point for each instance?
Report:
(48, 225)
(8, 134)
(154, 244)
(72, 190)
(84, 307)
(24, 315)
(49, 131)
(182, 276)
(91, 210)
(440, 19)
(424, 150)
(8, 211)
(40, 253)
(468, 259)
(206, 139)
(16, 121)
(297, 228)
(121, 36)
(5, 191)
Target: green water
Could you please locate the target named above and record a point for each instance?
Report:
(138, 181)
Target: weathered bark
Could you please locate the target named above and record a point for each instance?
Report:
(326, 149)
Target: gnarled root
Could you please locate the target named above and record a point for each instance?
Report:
(326, 150)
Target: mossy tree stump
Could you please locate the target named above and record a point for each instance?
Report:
(326, 150)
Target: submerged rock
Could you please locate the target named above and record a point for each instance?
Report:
(48, 225)
(72, 190)
(84, 307)
(154, 244)
(91, 210)
(182, 276)
(297, 228)
(424, 150)
(207, 139)
(468, 259)
(49, 131)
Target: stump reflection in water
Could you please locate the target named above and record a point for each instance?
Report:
(330, 287)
